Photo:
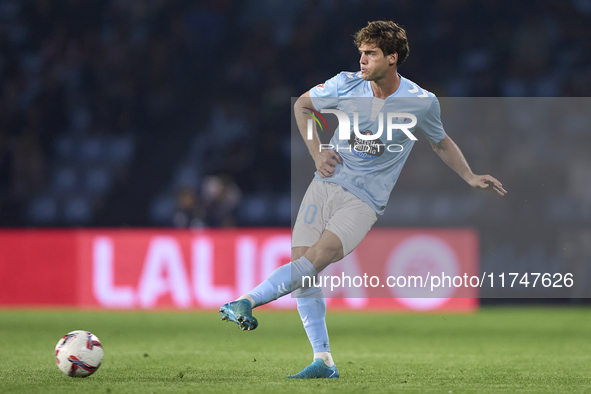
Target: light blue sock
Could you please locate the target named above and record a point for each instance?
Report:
(282, 281)
(312, 309)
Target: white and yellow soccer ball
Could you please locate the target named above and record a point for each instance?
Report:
(79, 354)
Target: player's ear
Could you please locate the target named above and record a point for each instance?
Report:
(393, 58)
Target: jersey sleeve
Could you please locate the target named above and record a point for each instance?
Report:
(325, 95)
(430, 124)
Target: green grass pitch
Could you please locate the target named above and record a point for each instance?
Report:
(536, 349)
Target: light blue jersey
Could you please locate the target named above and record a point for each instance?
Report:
(370, 169)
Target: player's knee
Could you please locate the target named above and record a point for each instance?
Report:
(298, 252)
(320, 257)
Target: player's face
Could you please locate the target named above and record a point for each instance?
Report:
(374, 65)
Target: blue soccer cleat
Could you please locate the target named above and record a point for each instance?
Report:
(240, 312)
(317, 369)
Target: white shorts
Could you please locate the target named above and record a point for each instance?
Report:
(328, 206)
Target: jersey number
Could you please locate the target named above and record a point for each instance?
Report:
(310, 214)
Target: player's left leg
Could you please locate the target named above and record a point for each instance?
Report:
(312, 308)
(345, 230)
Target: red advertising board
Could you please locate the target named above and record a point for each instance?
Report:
(184, 269)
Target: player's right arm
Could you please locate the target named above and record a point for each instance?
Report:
(325, 160)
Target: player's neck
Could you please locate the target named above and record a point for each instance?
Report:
(387, 86)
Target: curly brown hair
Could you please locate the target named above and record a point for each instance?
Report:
(386, 35)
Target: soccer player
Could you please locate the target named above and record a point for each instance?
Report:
(353, 180)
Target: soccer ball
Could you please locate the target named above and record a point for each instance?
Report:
(79, 354)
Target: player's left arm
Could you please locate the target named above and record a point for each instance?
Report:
(449, 152)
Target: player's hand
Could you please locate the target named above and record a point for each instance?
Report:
(326, 162)
(487, 182)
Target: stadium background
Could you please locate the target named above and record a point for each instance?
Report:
(135, 114)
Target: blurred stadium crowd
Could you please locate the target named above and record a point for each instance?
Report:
(177, 113)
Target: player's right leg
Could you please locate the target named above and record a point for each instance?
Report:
(239, 312)
(286, 278)
(281, 282)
